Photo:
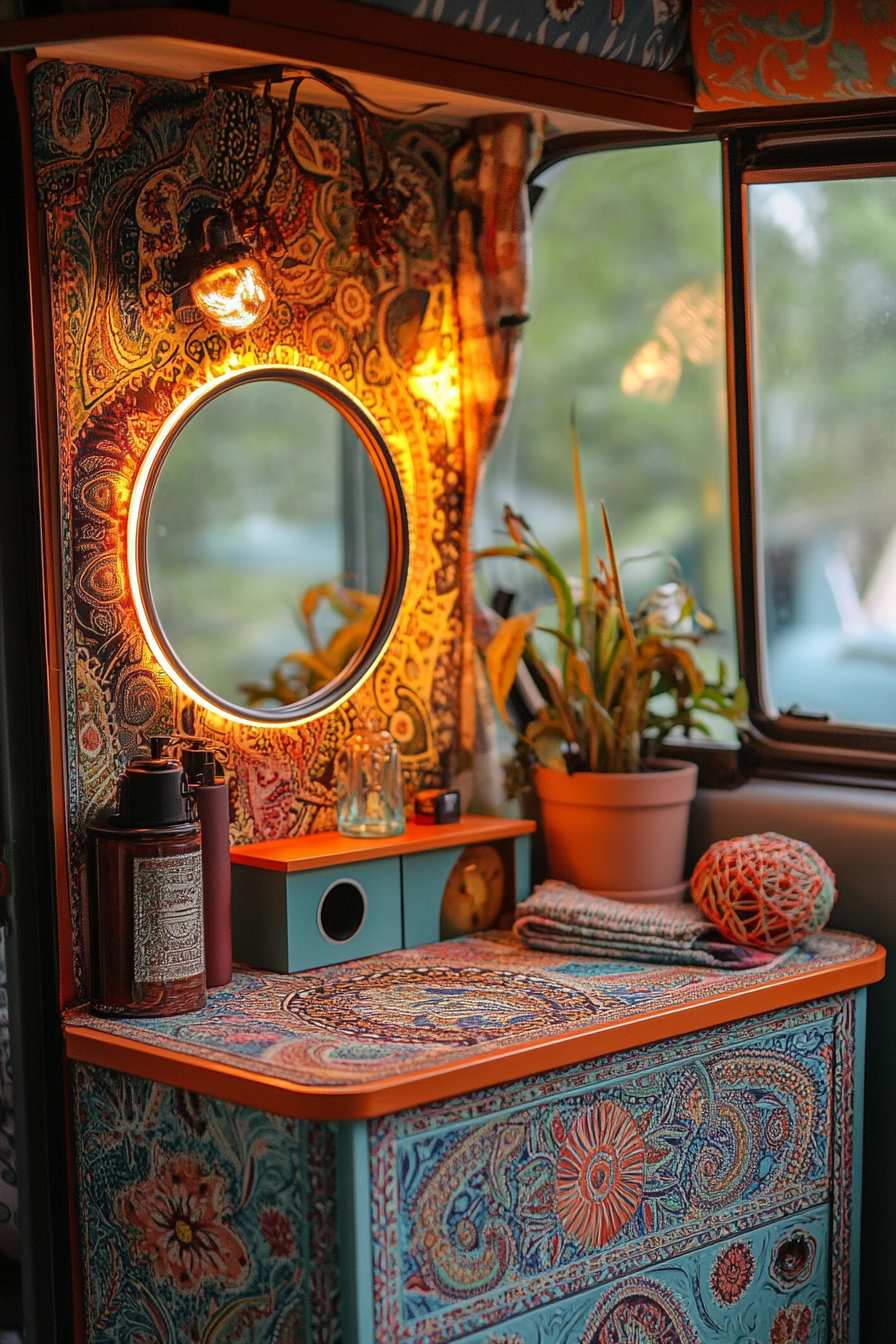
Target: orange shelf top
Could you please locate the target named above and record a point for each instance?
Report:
(323, 849)
(407, 1028)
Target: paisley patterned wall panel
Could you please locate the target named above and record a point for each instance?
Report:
(202, 1221)
(650, 33)
(499, 1203)
(122, 163)
(751, 53)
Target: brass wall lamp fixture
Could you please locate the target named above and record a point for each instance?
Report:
(219, 275)
(222, 270)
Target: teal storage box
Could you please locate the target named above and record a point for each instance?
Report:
(316, 917)
(325, 898)
(423, 878)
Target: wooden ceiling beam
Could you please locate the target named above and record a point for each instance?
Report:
(357, 37)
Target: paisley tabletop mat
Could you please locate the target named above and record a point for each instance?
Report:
(402, 1012)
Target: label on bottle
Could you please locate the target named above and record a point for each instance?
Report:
(168, 933)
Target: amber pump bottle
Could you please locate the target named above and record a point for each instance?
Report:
(145, 884)
(208, 788)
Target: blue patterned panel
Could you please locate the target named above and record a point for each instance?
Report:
(733, 1293)
(201, 1221)
(487, 1207)
(650, 33)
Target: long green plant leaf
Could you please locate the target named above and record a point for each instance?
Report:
(542, 560)
(629, 719)
(587, 619)
(503, 656)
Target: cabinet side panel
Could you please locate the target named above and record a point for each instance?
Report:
(260, 936)
(423, 878)
(522, 853)
(846, 1173)
(324, 1282)
(194, 1215)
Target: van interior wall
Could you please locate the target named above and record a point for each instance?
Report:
(854, 829)
(417, 336)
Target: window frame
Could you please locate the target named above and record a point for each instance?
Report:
(785, 743)
(811, 143)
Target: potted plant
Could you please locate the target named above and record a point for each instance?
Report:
(615, 816)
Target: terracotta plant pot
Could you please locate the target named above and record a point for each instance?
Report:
(622, 836)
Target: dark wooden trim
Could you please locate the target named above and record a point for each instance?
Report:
(841, 172)
(31, 780)
(742, 477)
(51, 519)
(380, 27)
(355, 37)
(824, 118)
(784, 744)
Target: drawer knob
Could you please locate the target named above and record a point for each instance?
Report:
(792, 1260)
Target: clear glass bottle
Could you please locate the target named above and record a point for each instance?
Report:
(369, 785)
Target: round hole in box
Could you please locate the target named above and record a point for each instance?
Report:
(342, 911)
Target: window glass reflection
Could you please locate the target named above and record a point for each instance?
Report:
(627, 322)
(823, 258)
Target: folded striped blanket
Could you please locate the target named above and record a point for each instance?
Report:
(558, 917)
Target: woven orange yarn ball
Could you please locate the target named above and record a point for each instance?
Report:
(764, 890)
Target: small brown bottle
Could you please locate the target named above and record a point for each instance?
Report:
(208, 788)
(145, 878)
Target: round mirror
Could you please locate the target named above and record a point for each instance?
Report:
(268, 545)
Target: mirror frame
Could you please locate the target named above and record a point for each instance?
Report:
(362, 664)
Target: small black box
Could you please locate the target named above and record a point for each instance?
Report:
(437, 807)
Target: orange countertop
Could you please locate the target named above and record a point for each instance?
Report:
(410, 1027)
(323, 849)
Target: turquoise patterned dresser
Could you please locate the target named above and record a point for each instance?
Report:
(473, 1142)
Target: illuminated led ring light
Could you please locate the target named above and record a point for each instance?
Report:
(364, 661)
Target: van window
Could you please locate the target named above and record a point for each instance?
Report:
(627, 323)
(822, 264)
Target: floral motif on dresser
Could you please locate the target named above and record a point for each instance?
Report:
(182, 1221)
(201, 1221)
(732, 1273)
(791, 1325)
(600, 1174)
(536, 1191)
(637, 1310)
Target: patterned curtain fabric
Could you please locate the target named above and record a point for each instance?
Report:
(752, 53)
(650, 33)
(491, 240)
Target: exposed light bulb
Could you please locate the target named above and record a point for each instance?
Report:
(219, 278)
(235, 295)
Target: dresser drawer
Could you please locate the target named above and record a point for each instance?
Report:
(489, 1206)
(769, 1285)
